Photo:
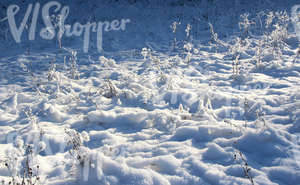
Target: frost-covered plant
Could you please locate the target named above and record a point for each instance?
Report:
(12, 163)
(260, 115)
(245, 25)
(26, 172)
(214, 39)
(205, 108)
(282, 19)
(236, 66)
(173, 27)
(258, 53)
(93, 92)
(241, 129)
(58, 22)
(76, 140)
(276, 40)
(145, 52)
(155, 60)
(162, 78)
(297, 54)
(188, 47)
(163, 122)
(52, 71)
(259, 20)
(213, 35)
(27, 67)
(54, 76)
(269, 19)
(110, 89)
(30, 176)
(276, 24)
(80, 154)
(107, 62)
(74, 68)
(184, 112)
(238, 156)
(236, 48)
(188, 30)
(33, 120)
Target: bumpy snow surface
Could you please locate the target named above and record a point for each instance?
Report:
(148, 109)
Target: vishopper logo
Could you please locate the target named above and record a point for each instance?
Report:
(55, 26)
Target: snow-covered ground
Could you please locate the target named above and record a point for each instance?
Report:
(204, 109)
